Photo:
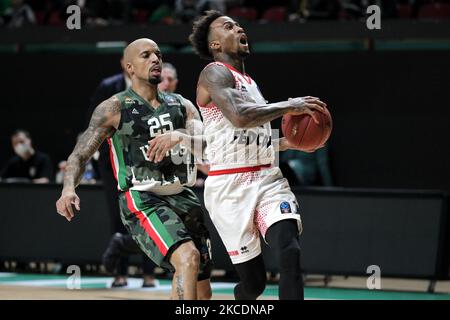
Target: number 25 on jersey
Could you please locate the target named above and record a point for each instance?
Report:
(159, 125)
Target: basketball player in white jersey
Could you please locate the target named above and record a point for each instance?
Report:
(245, 193)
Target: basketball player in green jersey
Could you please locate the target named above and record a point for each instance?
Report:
(163, 216)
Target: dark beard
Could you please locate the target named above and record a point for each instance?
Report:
(154, 80)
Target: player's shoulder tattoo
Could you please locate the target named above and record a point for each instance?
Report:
(215, 74)
(104, 111)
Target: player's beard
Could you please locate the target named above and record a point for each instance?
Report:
(154, 80)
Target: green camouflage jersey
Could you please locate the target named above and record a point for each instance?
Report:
(139, 123)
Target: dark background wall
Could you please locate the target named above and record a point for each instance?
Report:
(390, 108)
(345, 230)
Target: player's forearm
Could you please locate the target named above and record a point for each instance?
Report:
(253, 115)
(74, 171)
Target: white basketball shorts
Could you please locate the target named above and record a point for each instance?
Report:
(244, 205)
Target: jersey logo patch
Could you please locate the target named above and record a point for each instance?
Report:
(128, 100)
(285, 207)
(135, 111)
(172, 101)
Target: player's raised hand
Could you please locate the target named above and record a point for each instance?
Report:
(307, 105)
(161, 144)
(65, 202)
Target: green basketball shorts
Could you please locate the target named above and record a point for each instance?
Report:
(159, 224)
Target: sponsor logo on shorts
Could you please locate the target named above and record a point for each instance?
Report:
(244, 249)
(233, 253)
(285, 207)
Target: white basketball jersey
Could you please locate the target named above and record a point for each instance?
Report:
(230, 147)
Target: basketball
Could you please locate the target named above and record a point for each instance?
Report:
(304, 133)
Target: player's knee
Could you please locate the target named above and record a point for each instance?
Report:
(189, 258)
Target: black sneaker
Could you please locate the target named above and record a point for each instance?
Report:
(119, 284)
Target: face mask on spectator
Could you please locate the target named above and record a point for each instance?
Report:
(21, 149)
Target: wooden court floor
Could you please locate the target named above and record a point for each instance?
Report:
(50, 287)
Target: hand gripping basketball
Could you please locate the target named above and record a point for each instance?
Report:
(309, 127)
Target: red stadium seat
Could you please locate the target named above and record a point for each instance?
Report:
(248, 14)
(55, 19)
(404, 11)
(434, 11)
(275, 14)
(140, 16)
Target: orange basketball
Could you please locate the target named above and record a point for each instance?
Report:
(304, 133)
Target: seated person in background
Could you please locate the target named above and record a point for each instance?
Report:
(309, 168)
(28, 164)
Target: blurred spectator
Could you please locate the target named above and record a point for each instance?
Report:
(309, 169)
(163, 14)
(18, 14)
(61, 171)
(169, 78)
(28, 164)
(324, 9)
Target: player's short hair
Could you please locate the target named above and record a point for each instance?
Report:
(18, 131)
(167, 65)
(200, 31)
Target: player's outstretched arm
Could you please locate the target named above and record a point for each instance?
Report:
(219, 82)
(191, 138)
(103, 123)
